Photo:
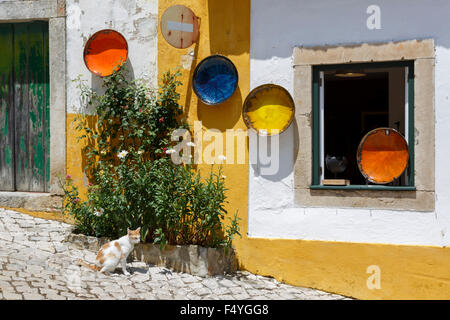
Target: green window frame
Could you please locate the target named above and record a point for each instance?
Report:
(316, 124)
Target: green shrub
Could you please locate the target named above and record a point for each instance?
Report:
(133, 182)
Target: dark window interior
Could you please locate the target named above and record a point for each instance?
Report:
(353, 107)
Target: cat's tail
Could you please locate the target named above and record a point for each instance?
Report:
(88, 265)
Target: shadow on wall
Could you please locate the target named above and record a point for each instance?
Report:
(223, 116)
(288, 151)
(189, 92)
(229, 37)
(91, 120)
(97, 81)
(227, 34)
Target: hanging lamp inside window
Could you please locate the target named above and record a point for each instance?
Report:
(350, 73)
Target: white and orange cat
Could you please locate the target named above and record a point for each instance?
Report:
(114, 253)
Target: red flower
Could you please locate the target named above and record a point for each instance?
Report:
(68, 177)
(161, 119)
(76, 200)
(164, 150)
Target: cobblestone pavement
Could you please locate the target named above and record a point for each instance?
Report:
(36, 264)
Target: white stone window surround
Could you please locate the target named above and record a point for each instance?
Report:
(422, 52)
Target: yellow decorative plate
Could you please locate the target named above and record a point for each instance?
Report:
(269, 109)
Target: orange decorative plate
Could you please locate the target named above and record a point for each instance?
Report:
(382, 155)
(105, 51)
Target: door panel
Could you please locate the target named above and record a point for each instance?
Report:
(6, 108)
(31, 106)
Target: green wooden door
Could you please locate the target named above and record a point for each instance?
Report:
(6, 108)
(24, 107)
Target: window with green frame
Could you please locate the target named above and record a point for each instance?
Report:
(349, 100)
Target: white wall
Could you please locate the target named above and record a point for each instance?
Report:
(136, 20)
(276, 28)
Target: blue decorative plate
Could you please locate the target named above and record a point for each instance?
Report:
(215, 79)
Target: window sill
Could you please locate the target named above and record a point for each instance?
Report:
(364, 187)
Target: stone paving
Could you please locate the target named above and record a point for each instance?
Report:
(35, 263)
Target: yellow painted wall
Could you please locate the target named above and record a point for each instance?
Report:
(224, 29)
(407, 272)
(75, 162)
